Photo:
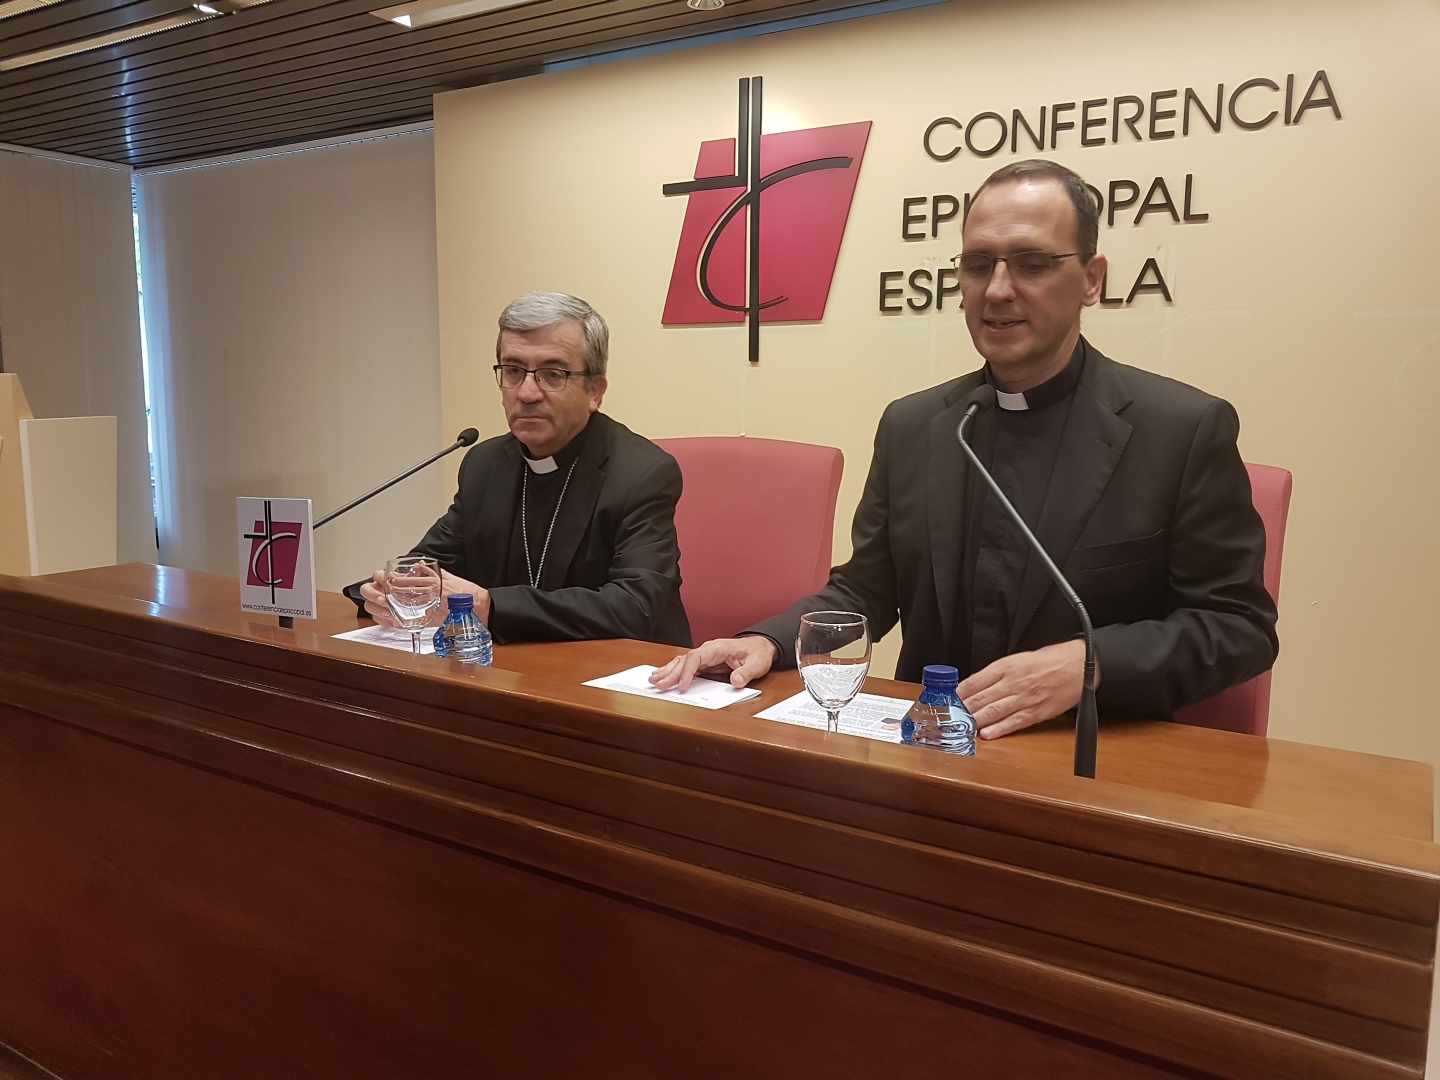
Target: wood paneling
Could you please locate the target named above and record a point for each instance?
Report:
(237, 843)
(15, 1067)
(292, 70)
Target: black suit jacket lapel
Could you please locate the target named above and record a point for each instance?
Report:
(577, 508)
(945, 504)
(497, 502)
(1090, 447)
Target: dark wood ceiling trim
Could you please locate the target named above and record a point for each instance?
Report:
(312, 70)
(78, 29)
(409, 107)
(790, 10)
(43, 18)
(119, 61)
(223, 148)
(94, 118)
(397, 56)
(180, 122)
(146, 142)
(234, 37)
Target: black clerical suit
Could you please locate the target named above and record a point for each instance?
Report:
(611, 565)
(1144, 504)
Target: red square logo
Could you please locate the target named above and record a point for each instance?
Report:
(763, 223)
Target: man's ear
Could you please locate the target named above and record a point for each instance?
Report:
(1094, 279)
(598, 386)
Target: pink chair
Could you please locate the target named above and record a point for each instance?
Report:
(755, 524)
(1246, 708)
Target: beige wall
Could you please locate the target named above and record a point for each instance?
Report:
(1307, 299)
(69, 320)
(291, 307)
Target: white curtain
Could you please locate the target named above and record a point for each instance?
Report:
(291, 322)
(69, 317)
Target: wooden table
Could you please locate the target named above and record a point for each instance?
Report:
(228, 849)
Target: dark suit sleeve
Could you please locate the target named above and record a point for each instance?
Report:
(866, 583)
(641, 595)
(1221, 626)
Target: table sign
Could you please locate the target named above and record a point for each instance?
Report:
(277, 557)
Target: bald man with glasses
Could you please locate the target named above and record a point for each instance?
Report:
(564, 528)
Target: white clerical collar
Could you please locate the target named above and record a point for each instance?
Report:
(540, 466)
(1011, 402)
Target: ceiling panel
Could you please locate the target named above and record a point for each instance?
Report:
(287, 71)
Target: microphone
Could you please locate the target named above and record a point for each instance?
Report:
(465, 438)
(1087, 727)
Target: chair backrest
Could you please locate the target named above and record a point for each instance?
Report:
(1246, 708)
(755, 523)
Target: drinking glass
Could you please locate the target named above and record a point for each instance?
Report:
(412, 590)
(833, 654)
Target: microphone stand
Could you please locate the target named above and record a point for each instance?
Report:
(459, 442)
(1087, 724)
(465, 438)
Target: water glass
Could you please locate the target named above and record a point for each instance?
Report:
(832, 652)
(412, 591)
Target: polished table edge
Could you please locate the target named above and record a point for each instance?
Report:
(1407, 855)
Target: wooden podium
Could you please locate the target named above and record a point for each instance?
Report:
(228, 850)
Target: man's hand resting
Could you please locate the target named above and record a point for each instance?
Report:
(743, 659)
(1024, 689)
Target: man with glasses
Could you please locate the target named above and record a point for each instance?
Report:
(564, 529)
(1132, 482)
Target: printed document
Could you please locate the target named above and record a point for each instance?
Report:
(391, 639)
(870, 716)
(706, 693)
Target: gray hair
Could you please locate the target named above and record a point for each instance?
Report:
(1082, 197)
(539, 310)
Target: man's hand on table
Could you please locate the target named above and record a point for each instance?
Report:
(743, 659)
(1009, 695)
(1024, 689)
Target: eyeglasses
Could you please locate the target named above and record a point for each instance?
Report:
(550, 379)
(978, 266)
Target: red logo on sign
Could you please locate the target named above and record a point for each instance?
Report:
(729, 267)
(274, 553)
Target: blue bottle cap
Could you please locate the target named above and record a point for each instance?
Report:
(458, 602)
(940, 676)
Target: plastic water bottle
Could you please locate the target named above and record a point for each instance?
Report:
(939, 718)
(462, 636)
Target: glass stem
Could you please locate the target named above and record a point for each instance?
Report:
(415, 642)
(832, 720)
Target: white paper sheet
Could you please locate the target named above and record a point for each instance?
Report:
(391, 639)
(705, 693)
(866, 716)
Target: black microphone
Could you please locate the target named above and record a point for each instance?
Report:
(465, 438)
(1087, 725)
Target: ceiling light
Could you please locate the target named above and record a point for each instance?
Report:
(421, 13)
(11, 8)
(225, 7)
(100, 41)
(705, 5)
